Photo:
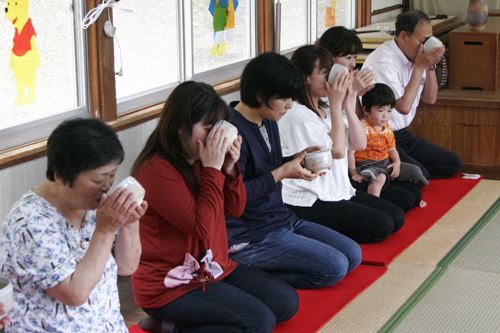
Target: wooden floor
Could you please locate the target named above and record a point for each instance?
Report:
(131, 312)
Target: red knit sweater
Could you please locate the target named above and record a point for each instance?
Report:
(178, 222)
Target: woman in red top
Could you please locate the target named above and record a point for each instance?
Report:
(190, 184)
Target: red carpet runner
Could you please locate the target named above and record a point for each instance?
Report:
(441, 195)
(318, 306)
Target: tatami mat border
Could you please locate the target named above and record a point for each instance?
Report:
(412, 280)
(443, 265)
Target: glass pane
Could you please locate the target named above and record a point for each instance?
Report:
(146, 46)
(221, 33)
(37, 70)
(293, 24)
(330, 13)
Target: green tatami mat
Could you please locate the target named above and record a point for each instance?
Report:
(461, 301)
(465, 295)
(483, 252)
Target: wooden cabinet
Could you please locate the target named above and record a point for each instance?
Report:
(474, 57)
(468, 124)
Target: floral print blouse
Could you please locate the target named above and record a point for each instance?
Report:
(39, 248)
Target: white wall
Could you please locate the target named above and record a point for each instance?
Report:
(16, 180)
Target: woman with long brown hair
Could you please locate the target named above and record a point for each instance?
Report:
(186, 280)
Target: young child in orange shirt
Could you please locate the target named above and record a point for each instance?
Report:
(380, 160)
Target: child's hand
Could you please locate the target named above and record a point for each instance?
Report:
(357, 178)
(395, 169)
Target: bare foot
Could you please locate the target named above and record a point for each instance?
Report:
(422, 204)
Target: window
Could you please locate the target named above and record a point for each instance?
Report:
(146, 46)
(157, 45)
(46, 81)
(334, 12)
(304, 21)
(213, 48)
(166, 42)
(294, 24)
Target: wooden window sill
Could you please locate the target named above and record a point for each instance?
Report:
(37, 149)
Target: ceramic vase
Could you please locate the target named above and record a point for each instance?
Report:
(477, 14)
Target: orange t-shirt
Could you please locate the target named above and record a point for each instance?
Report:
(378, 143)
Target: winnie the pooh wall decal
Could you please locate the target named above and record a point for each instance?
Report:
(223, 23)
(24, 57)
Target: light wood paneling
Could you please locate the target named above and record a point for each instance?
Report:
(433, 124)
(476, 144)
(468, 124)
(476, 116)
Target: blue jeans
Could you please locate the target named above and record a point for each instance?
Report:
(306, 255)
(247, 300)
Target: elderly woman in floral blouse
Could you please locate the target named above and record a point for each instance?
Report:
(65, 241)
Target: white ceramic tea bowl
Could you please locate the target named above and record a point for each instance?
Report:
(335, 69)
(319, 161)
(131, 184)
(368, 68)
(6, 294)
(231, 132)
(431, 43)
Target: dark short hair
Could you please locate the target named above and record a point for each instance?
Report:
(79, 145)
(408, 21)
(340, 41)
(271, 74)
(305, 58)
(380, 95)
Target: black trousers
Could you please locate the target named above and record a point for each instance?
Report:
(435, 161)
(405, 195)
(247, 300)
(364, 218)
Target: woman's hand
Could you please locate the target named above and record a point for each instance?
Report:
(337, 91)
(363, 82)
(117, 210)
(233, 156)
(139, 211)
(5, 320)
(213, 152)
(308, 150)
(294, 170)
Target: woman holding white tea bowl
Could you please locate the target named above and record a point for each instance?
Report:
(333, 125)
(345, 45)
(59, 238)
